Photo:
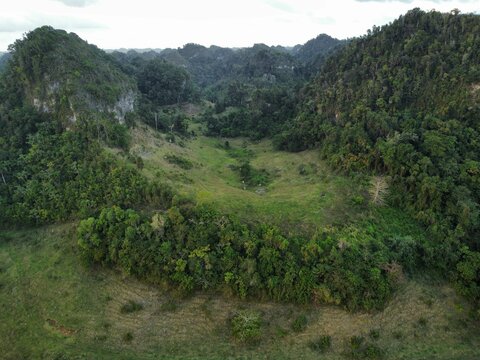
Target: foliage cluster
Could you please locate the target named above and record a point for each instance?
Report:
(180, 161)
(64, 174)
(256, 113)
(363, 349)
(322, 344)
(195, 247)
(4, 57)
(247, 326)
(250, 176)
(163, 83)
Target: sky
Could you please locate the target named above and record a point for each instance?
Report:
(113, 24)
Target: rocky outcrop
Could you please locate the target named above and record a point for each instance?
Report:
(124, 105)
(63, 75)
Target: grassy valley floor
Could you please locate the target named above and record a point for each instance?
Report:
(301, 192)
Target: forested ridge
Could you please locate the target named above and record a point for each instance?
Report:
(401, 103)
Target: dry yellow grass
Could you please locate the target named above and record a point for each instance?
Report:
(203, 319)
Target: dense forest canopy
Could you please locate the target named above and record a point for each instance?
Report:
(403, 101)
(314, 52)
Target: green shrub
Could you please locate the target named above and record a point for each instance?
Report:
(321, 344)
(467, 277)
(179, 161)
(374, 334)
(130, 307)
(358, 200)
(251, 176)
(127, 337)
(356, 342)
(300, 323)
(422, 323)
(360, 349)
(170, 138)
(247, 326)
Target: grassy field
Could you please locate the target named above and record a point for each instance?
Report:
(52, 307)
(310, 197)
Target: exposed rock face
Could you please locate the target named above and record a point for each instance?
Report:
(48, 102)
(124, 105)
(78, 104)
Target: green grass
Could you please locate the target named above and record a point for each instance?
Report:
(53, 307)
(294, 197)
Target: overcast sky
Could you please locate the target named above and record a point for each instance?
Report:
(234, 23)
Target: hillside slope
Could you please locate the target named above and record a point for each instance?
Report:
(404, 101)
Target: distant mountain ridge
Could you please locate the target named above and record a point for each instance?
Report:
(314, 52)
(210, 64)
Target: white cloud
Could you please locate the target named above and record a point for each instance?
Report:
(77, 3)
(172, 23)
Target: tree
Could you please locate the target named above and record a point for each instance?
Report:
(378, 190)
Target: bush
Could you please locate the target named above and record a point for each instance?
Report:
(422, 323)
(374, 334)
(247, 326)
(127, 337)
(358, 200)
(361, 350)
(251, 176)
(467, 277)
(130, 307)
(179, 161)
(321, 344)
(300, 323)
(356, 342)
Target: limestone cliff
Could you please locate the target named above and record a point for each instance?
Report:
(62, 74)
